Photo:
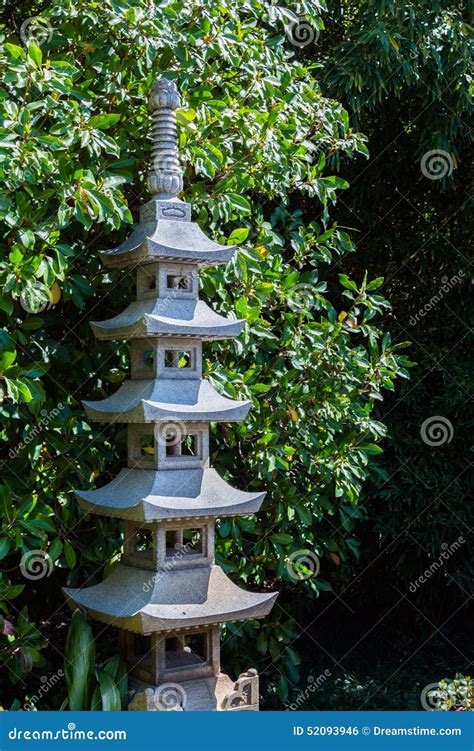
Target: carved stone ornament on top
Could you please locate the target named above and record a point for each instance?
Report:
(166, 178)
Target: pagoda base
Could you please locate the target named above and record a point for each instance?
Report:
(215, 694)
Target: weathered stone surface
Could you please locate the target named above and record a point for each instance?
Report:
(147, 495)
(166, 178)
(166, 399)
(214, 694)
(167, 597)
(167, 240)
(142, 601)
(171, 318)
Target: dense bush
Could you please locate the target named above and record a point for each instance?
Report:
(403, 73)
(256, 134)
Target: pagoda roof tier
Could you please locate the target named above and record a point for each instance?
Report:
(167, 240)
(168, 317)
(166, 399)
(143, 495)
(142, 601)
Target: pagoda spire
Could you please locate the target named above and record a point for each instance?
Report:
(167, 596)
(165, 180)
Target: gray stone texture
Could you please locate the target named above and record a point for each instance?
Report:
(146, 495)
(167, 589)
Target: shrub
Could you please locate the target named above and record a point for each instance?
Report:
(406, 80)
(453, 694)
(255, 136)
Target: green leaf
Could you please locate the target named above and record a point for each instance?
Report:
(116, 667)
(6, 304)
(283, 688)
(282, 538)
(375, 283)
(35, 54)
(348, 283)
(79, 662)
(24, 391)
(238, 236)
(104, 121)
(70, 554)
(239, 202)
(4, 547)
(6, 360)
(109, 693)
(55, 548)
(185, 116)
(386, 341)
(393, 41)
(15, 51)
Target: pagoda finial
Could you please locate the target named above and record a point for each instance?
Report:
(165, 180)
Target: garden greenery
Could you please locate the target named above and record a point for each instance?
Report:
(404, 73)
(256, 135)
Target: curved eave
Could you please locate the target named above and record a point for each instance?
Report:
(143, 601)
(152, 495)
(150, 318)
(167, 240)
(163, 326)
(166, 399)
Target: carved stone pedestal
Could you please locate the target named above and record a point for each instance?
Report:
(214, 694)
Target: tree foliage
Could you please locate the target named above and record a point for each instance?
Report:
(403, 71)
(256, 135)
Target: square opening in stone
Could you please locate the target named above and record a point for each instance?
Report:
(147, 444)
(143, 542)
(147, 281)
(141, 647)
(188, 445)
(150, 281)
(186, 651)
(182, 444)
(183, 283)
(173, 542)
(181, 543)
(176, 359)
(148, 359)
(193, 541)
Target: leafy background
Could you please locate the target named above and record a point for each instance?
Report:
(271, 138)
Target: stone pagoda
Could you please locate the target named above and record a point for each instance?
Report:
(167, 596)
